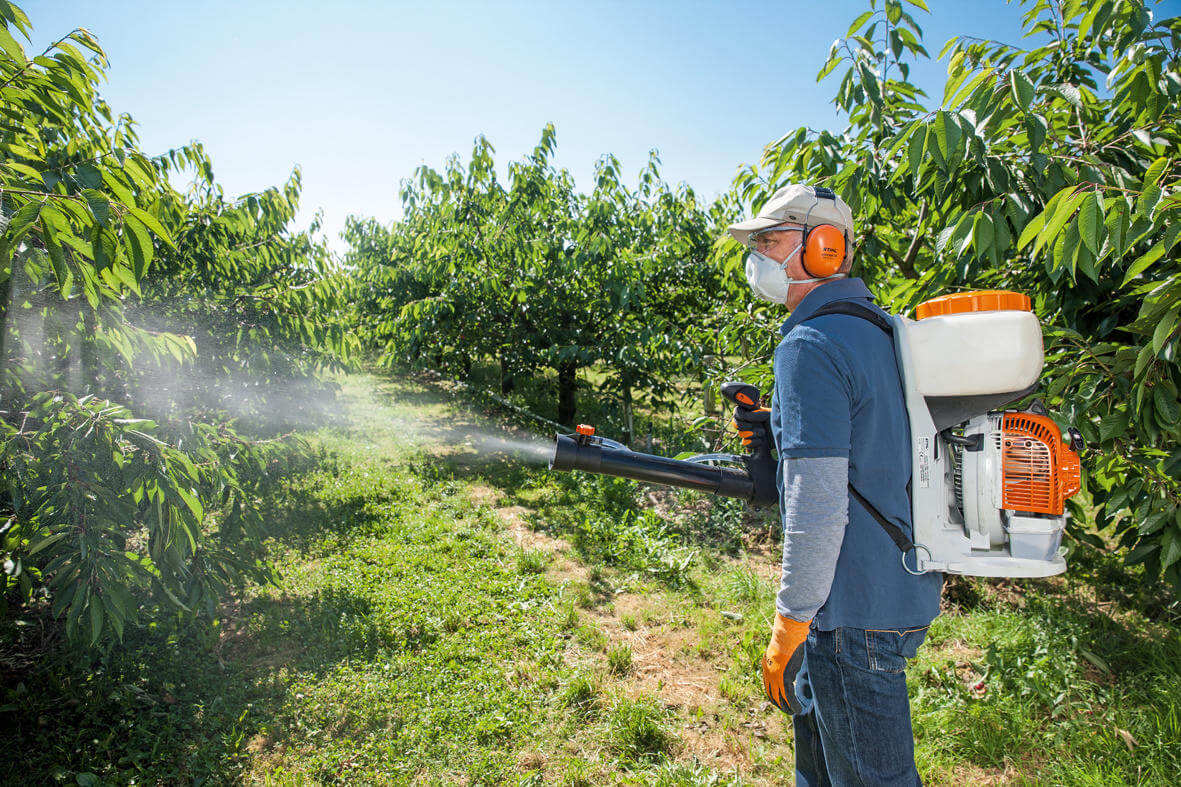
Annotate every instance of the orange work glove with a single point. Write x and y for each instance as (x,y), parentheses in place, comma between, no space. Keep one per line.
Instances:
(782,662)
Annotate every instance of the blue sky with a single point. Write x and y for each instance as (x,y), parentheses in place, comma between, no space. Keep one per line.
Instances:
(360,93)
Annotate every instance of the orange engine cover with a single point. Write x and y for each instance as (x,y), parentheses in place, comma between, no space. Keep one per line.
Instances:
(1038,471)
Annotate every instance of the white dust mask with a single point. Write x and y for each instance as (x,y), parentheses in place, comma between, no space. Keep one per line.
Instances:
(768,278)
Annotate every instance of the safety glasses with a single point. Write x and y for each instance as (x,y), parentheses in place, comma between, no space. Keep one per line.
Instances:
(762,239)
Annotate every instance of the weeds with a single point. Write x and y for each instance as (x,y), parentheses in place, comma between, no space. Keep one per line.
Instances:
(638,729)
(582,694)
(619,659)
(569,618)
(591,637)
(638,541)
(532,561)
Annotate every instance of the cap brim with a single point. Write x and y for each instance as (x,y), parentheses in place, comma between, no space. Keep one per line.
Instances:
(742,230)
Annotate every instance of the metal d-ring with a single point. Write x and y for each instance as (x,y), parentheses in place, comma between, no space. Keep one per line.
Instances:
(916,548)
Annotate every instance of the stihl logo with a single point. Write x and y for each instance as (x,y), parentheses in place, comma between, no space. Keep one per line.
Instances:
(827,250)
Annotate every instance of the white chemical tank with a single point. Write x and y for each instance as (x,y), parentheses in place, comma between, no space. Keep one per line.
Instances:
(974,343)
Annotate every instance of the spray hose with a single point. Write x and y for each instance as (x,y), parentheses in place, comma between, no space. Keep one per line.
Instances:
(584,451)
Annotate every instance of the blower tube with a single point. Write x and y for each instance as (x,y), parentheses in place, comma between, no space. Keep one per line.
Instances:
(594,455)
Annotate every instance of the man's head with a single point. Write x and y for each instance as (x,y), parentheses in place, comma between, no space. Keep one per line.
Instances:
(805,230)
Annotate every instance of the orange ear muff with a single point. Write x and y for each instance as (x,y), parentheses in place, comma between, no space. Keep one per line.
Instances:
(824,251)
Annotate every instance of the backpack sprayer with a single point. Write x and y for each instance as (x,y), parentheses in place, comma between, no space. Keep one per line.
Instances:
(988,485)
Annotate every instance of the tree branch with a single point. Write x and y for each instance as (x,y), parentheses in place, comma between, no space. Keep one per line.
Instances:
(907,262)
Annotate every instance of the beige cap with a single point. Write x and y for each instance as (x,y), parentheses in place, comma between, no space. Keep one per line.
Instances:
(798,204)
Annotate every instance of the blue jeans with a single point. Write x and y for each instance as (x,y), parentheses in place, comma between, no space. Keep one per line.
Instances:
(857,731)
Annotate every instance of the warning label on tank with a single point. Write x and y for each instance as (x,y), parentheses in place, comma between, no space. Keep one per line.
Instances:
(922,452)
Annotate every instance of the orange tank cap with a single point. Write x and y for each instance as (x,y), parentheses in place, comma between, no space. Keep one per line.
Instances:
(978,301)
(585,429)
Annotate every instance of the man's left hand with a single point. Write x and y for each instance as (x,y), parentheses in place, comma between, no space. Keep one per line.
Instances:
(782,661)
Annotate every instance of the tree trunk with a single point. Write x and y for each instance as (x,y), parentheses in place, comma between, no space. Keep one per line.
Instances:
(507,383)
(567,390)
(629,429)
(89,351)
(59,326)
(6,299)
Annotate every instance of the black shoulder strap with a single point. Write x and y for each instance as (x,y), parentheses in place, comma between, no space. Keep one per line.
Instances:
(852,309)
(855,309)
(892,530)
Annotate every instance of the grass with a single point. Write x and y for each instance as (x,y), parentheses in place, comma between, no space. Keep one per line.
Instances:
(619,659)
(444,616)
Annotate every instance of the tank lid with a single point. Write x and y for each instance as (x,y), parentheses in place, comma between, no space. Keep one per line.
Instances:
(978,301)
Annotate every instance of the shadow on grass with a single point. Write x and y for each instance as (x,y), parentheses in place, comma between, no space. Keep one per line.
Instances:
(185,702)
(184,705)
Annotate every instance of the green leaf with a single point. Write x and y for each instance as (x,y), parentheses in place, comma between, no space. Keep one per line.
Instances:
(1064,210)
(918,141)
(11,48)
(829,67)
(1113,425)
(125,275)
(33,175)
(1086,263)
(1066,91)
(100,206)
(1090,223)
(982,233)
(22,220)
(1155,170)
(153,224)
(191,502)
(1144,359)
(47,541)
(57,258)
(1031,230)
(1164,399)
(1022,89)
(1140,553)
(1155,521)
(139,245)
(96,620)
(947,134)
(1035,129)
(1066,248)
(1164,330)
(1171,551)
(858,22)
(87,174)
(1116,224)
(1148,199)
(1143,261)
(961,238)
(919,4)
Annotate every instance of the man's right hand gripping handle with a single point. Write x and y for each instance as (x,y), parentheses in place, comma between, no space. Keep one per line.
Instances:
(753,425)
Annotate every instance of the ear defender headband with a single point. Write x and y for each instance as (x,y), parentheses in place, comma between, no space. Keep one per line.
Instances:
(824,245)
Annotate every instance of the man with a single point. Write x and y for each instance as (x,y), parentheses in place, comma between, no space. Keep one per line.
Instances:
(849,614)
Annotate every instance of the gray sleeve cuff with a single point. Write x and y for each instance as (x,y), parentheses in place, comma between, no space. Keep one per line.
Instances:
(815,513)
